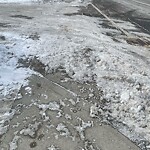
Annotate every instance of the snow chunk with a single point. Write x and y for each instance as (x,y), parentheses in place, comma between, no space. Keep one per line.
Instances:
(31,129)
(50,106)
(13,144)
(28,90)
(68,117)
(125,96)
(54,106)
(52,147)
(62,129)
(94,111)
(81,128)
(72,102)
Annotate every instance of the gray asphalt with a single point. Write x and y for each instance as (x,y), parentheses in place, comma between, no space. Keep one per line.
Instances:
(136,11)
(142,7)
(145,2)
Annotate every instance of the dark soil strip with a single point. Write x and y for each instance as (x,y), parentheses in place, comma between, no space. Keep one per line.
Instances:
(33,63)
(21,16)
(4,25)
(87,11)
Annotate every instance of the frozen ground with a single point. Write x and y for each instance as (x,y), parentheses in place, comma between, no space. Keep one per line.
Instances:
(39,39)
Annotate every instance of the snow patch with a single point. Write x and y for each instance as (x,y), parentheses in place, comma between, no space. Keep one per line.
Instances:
(52,147)
(81,128)
(54,106)
(62,129)
(31,129)
(13,145)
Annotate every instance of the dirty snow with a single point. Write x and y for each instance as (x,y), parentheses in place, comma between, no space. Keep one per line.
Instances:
(62,129)
(94,111)
(81,128)
(79,44)
(54,106)
(31,129)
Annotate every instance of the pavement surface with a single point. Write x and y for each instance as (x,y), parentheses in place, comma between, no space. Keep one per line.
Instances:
(134,11)
(53,117)
(140,6)
(54,113)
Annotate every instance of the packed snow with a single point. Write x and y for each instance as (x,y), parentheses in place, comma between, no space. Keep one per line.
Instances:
(80,45)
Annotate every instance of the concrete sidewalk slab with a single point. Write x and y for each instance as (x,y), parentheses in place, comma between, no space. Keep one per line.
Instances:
(52,116)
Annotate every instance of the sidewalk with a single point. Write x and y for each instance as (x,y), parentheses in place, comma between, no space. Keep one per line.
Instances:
(63,45)
(51,117)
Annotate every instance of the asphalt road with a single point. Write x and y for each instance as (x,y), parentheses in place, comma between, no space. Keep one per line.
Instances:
(129,10)
(143,2)
(141,13)
(142,7)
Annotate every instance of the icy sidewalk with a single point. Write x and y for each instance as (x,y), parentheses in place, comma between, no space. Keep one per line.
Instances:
(42,36)
(52,117)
